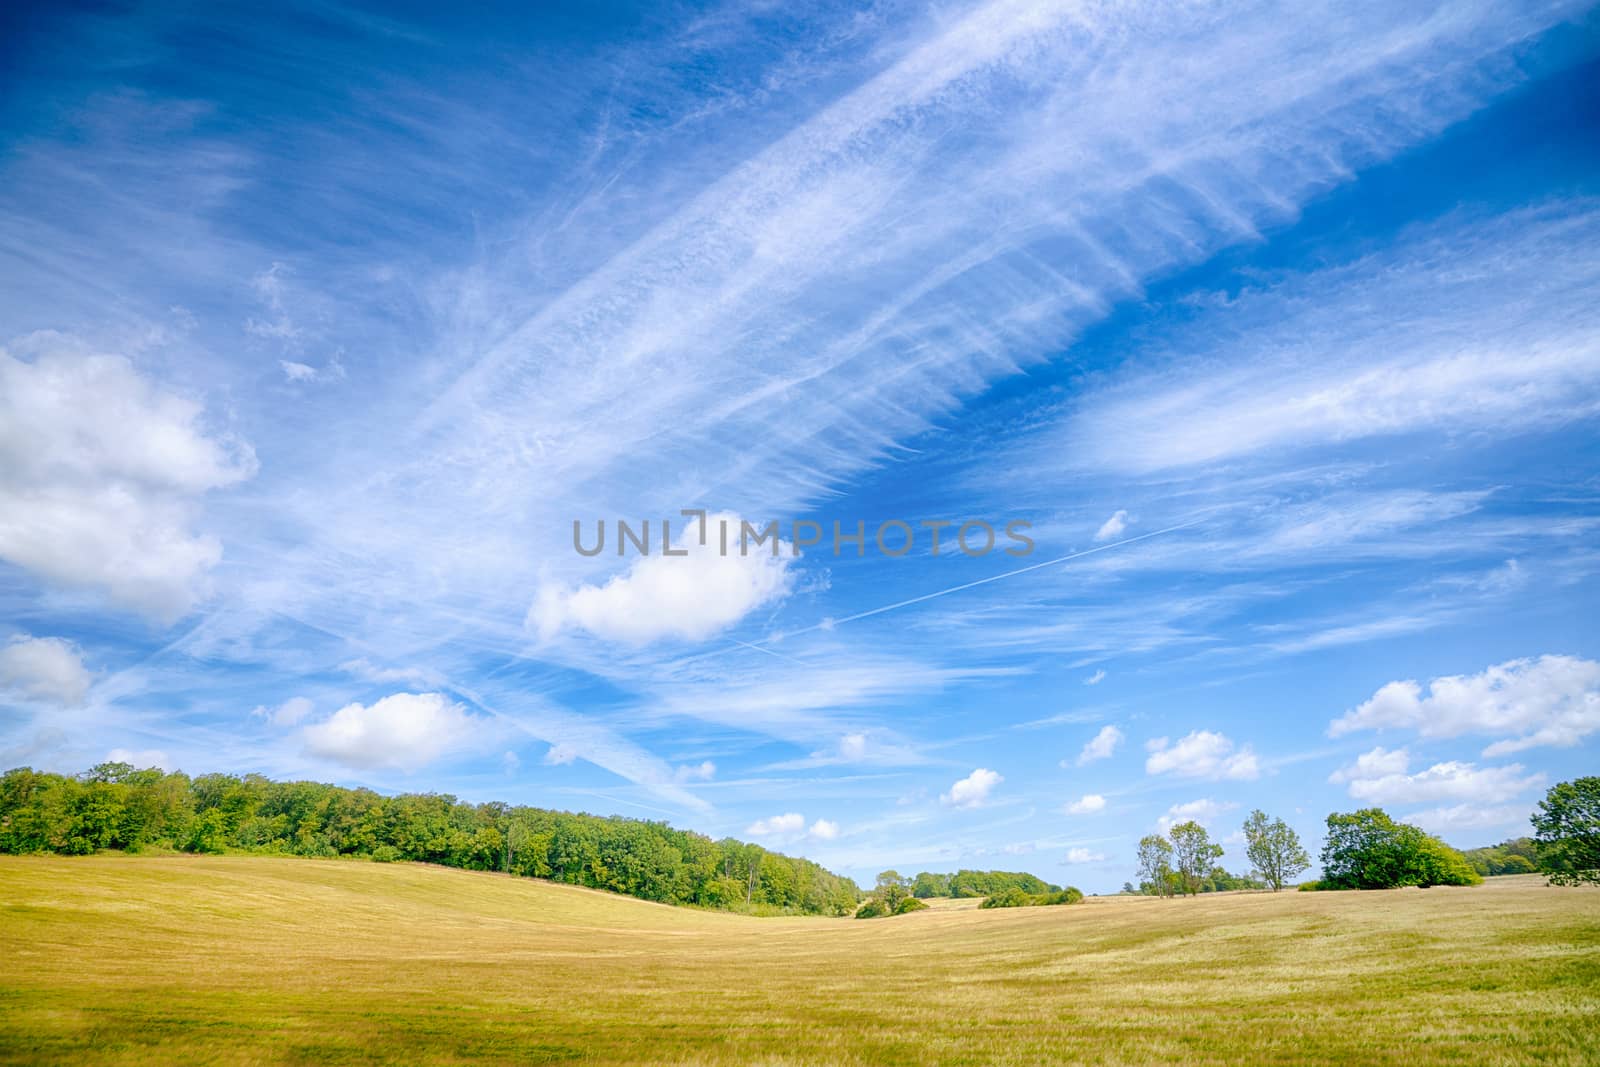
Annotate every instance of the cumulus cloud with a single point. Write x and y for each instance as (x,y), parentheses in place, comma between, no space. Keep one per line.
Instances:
(100,475)
(1204,811)
(792,827)
(1551,700)
(405,731)
(48,669)
(973,790)
(695,772)
(660,597)
(1375,764)
(1112,527)
(1379,777)
(1087,804)
(823,830)
(290,713)
(1084,855)
(1201,754)
(1459,817)
(1101,746)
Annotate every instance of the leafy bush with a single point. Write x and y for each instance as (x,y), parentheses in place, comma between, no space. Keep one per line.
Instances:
(909,904)
(1017,898)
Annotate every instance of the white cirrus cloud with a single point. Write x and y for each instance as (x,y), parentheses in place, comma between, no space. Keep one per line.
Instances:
(973,790)
(47,669)
(1101,746)
(1201,754)
(404,731)
(1552,700)
(1096,678)
(1204,811)
(101,472)
(1088,804)
(1112,527)
(659,597)
(1084,855)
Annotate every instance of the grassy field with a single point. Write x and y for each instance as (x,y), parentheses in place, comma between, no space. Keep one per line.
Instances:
(241,960)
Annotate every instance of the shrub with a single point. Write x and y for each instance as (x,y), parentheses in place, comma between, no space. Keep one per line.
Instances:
(909,904)
(872,909)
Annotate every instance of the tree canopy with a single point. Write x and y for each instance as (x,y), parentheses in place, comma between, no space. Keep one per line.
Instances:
(1567,832)
(1274,849)
(116,806)
(1367,849)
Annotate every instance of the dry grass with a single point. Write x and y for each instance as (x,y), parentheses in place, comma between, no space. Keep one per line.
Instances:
(240,960)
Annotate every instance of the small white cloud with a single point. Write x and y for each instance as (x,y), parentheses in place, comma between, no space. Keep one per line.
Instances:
(365,668)
(1552,700)
(1374,764)
(1084,855)
(777,826)
(1201,754)
(973,790)
(510,763)
(559,755)
(404,731)
(695,772)
(297,372)
(661,597)
(290,713)
(1096,678)
(1101,746)
(142,759)
(1087,804)
(48,669)
(1204,811)
(853,746)
(1112,527)
(823,830)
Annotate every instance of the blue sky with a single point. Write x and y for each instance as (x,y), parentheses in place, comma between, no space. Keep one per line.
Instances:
(1281,327)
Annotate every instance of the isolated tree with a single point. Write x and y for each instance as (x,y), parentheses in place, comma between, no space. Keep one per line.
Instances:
(1155,864)
(1193,854)
(1567,832)
(1273,849)
(892,889)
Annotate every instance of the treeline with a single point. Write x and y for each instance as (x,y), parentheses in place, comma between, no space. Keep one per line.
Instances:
(1519,855)
(1018,898)
(114,806)
(978,884)
(1218,880)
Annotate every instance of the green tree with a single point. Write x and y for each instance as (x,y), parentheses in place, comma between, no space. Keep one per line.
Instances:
(891,889)
(1367,849)
(1193,855)
(1567,832)
(1273,849)
(1155,865)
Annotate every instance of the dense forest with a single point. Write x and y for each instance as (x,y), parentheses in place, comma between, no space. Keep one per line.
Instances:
(114,806)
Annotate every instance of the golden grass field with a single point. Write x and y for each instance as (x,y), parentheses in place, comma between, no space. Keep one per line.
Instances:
(245,960)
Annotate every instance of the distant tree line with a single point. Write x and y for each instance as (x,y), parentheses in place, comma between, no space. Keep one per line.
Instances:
(1514,856)
(115,806)
(1018,898)
(966,883)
